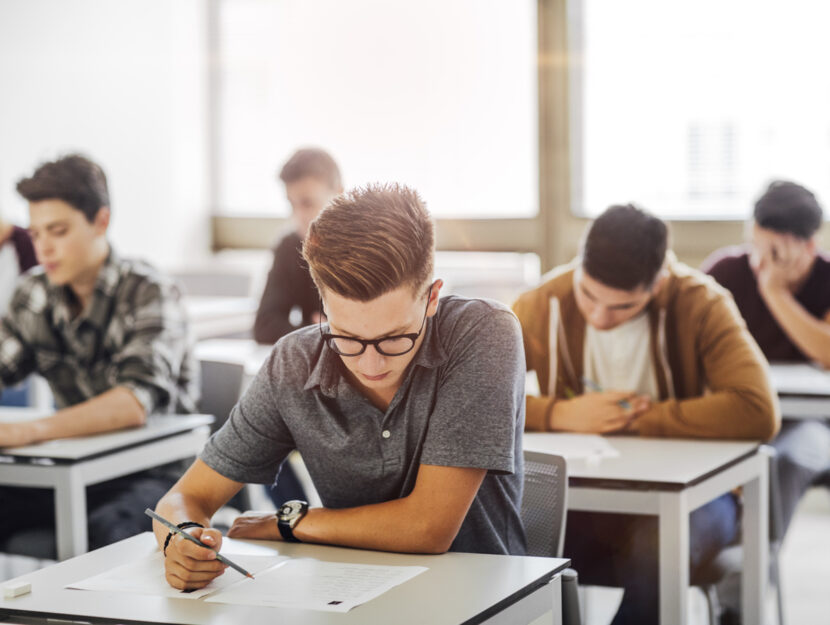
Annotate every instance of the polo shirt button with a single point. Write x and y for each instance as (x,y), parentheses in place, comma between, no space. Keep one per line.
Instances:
(386,434)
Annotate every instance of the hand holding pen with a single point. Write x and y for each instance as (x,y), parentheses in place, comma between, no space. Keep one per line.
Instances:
(598,412)
(194,561)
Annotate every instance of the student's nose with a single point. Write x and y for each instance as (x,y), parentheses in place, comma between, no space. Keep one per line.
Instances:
(600,317)
(371,362)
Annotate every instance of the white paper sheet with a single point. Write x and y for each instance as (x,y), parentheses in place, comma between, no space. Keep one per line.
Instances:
(589,447)
(146,576)
(314,585)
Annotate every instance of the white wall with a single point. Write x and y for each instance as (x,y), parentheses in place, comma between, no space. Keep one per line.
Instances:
(125,83)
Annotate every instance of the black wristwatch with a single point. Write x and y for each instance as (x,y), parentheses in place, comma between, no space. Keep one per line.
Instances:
(288,515)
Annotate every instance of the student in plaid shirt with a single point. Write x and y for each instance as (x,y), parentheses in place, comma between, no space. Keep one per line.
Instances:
(108,334)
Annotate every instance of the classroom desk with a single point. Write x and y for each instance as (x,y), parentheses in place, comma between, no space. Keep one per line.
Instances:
(803,390)
(457,588)
(245,352)
(70,465)
(669,478)
(213,316)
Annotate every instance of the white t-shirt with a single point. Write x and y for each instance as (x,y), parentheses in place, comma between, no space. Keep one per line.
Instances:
(9,272)
(620,359)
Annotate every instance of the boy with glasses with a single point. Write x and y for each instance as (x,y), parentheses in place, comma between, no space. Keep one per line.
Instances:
(407,411)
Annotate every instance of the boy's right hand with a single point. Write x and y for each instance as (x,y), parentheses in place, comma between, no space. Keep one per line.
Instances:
(598,413)
(188,566)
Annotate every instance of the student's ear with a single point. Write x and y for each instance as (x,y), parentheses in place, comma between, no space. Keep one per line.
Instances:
(432,307)
(102,220)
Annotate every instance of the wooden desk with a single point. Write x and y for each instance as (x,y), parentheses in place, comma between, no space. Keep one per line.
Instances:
(213,316)
(669,478)
(457,588)
(70,465)
(803,390)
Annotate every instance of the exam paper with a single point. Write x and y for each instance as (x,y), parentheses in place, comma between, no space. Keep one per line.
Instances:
(572,446)
(307,584)
(146,575)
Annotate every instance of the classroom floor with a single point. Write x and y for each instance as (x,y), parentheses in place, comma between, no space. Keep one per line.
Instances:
(805,567)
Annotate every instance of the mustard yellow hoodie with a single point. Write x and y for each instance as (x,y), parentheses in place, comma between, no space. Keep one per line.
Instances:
(712,377)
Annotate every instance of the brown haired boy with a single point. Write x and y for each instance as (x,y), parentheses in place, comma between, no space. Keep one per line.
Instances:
(108,334)
(407,411)
(311,179)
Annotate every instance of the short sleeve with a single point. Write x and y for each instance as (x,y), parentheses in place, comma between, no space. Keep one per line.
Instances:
(481,401)
(253,442)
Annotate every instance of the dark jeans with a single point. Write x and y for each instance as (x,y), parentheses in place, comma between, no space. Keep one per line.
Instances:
(115,510)
(287,486)
(622,549)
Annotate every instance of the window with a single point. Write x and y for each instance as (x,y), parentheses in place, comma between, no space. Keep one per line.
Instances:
(691,108)
(439,95)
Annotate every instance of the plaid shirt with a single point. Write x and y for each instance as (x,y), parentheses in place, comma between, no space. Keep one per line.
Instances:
(133,333)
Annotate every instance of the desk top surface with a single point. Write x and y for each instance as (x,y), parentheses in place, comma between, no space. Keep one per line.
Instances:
(246,352)
(646,463)
(800,379)
(81,448)
(218,305)
(456,588)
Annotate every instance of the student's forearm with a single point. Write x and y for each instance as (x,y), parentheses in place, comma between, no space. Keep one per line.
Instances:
(811,335)
(390,526)
(115,409)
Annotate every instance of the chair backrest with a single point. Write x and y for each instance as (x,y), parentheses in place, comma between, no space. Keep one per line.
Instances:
(544,503)
(221,388)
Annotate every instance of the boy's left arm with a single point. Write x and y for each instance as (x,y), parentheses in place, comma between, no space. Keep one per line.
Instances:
(739,402)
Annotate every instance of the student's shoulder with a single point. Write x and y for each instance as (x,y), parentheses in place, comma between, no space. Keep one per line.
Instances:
(691,293)
(557,283)
(32,292)
(727,262)
(289,244)
(141,278)
(459,318)
(297,352)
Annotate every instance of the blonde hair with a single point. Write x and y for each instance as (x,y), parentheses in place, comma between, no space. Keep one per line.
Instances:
(370,241)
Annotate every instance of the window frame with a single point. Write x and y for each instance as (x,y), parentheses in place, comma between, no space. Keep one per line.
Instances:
(553,234)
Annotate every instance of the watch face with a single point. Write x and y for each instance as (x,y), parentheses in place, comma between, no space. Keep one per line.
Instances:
(291,510)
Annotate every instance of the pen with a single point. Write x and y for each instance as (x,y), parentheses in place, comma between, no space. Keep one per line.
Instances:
(193,539)
(623,403)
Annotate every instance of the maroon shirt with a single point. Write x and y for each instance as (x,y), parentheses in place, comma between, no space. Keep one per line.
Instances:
(24,248)
(730,266)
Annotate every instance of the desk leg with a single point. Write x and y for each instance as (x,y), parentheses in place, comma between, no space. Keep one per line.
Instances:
(70,513)
(755,527)
(673,529)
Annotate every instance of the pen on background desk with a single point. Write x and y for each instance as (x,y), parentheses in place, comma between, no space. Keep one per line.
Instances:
(588,383)
(193,539)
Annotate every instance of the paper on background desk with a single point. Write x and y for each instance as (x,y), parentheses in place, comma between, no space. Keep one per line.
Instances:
(308,584)
(573,446)
(145,576)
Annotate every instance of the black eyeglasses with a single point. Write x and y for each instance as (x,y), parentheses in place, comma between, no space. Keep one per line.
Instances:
(396,345)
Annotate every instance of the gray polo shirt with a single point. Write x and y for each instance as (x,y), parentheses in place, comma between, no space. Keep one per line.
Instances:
(461,404)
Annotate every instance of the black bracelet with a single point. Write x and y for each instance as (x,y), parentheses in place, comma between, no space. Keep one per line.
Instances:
(181,526)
